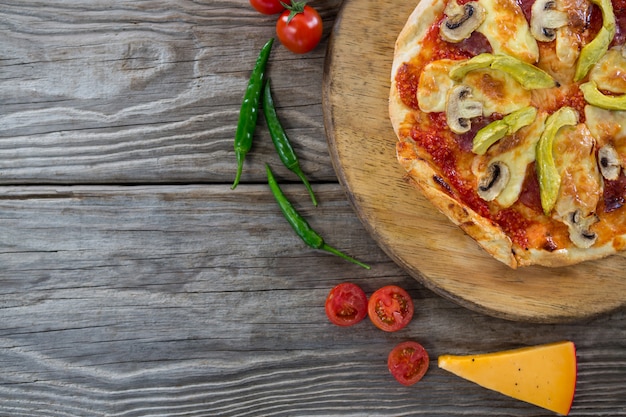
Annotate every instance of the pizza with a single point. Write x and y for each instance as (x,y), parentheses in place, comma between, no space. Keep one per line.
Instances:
(510,117)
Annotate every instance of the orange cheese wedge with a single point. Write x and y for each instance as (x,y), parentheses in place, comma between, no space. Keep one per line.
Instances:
(543,375)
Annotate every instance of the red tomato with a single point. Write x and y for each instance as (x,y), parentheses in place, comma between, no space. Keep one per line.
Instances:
(390,308)
(346,304)
(408,362)
(268,6)
(299,28)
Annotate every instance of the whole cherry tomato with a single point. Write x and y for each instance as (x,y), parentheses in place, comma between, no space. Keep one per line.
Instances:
(299,28)
(346,304)
(390,308)
(268,6)
(408,362)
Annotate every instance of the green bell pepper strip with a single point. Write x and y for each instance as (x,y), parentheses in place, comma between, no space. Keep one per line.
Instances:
(593,51)
(249,109)
(498,129)
(300,225)
(529,76)
(596,98)
(281,140)
(547,172)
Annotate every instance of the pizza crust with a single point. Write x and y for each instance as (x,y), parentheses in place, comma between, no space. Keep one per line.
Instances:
(488,235)
(418,23)
(425,177)
(407,46)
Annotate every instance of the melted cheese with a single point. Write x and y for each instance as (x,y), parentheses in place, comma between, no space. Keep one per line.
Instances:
(560,60)
(608,126)
(568,41)
(581,182)
(610,72)
(507,30)
(516,152)
(433,86)
(542,375)
(567,48)
(497,90)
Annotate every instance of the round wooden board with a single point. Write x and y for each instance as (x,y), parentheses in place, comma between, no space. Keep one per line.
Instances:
(405,225)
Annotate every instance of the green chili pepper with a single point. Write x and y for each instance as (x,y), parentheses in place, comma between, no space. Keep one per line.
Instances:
(281,140)
(300,225)
(249,109)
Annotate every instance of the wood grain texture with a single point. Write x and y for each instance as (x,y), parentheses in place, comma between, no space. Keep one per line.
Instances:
(194,300)
(406,225)
(134,282)
(115,91)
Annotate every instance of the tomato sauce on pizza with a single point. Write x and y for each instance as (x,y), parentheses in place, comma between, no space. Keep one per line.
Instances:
(511,120)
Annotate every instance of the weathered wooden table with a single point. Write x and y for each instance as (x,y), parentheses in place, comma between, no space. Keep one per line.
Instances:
(135,282)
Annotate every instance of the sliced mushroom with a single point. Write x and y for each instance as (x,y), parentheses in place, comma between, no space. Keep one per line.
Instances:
(494,181)
(461,21)
(460,108)
(546,19)
(609,162)
(579,226)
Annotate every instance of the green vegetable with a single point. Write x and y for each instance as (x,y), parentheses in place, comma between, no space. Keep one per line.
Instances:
(529,76)
(506,126)
(592,52)
(608,15)
(489,135)
(461,69)
(595,49)
(300,225)
(547,173)
(594,97)
(281,140)
(249,109)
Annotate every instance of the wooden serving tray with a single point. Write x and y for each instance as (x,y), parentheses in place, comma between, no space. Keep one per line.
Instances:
(405,225)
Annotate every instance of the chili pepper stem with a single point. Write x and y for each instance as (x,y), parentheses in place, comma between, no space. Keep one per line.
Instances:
(306,183)
(299,223)
(334,251)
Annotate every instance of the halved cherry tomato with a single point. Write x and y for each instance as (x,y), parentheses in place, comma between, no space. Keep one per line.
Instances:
(346,304)
(299,28)
(268,6)
(390,308)
(408,362)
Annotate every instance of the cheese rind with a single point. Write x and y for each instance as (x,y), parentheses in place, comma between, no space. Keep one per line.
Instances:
(543,375)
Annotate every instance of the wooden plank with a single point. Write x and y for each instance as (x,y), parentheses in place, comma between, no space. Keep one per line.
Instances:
(174,298)
(404,222)
(145,92)
(199,300)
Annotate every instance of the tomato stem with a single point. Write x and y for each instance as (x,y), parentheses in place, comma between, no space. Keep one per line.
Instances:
(294,8)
